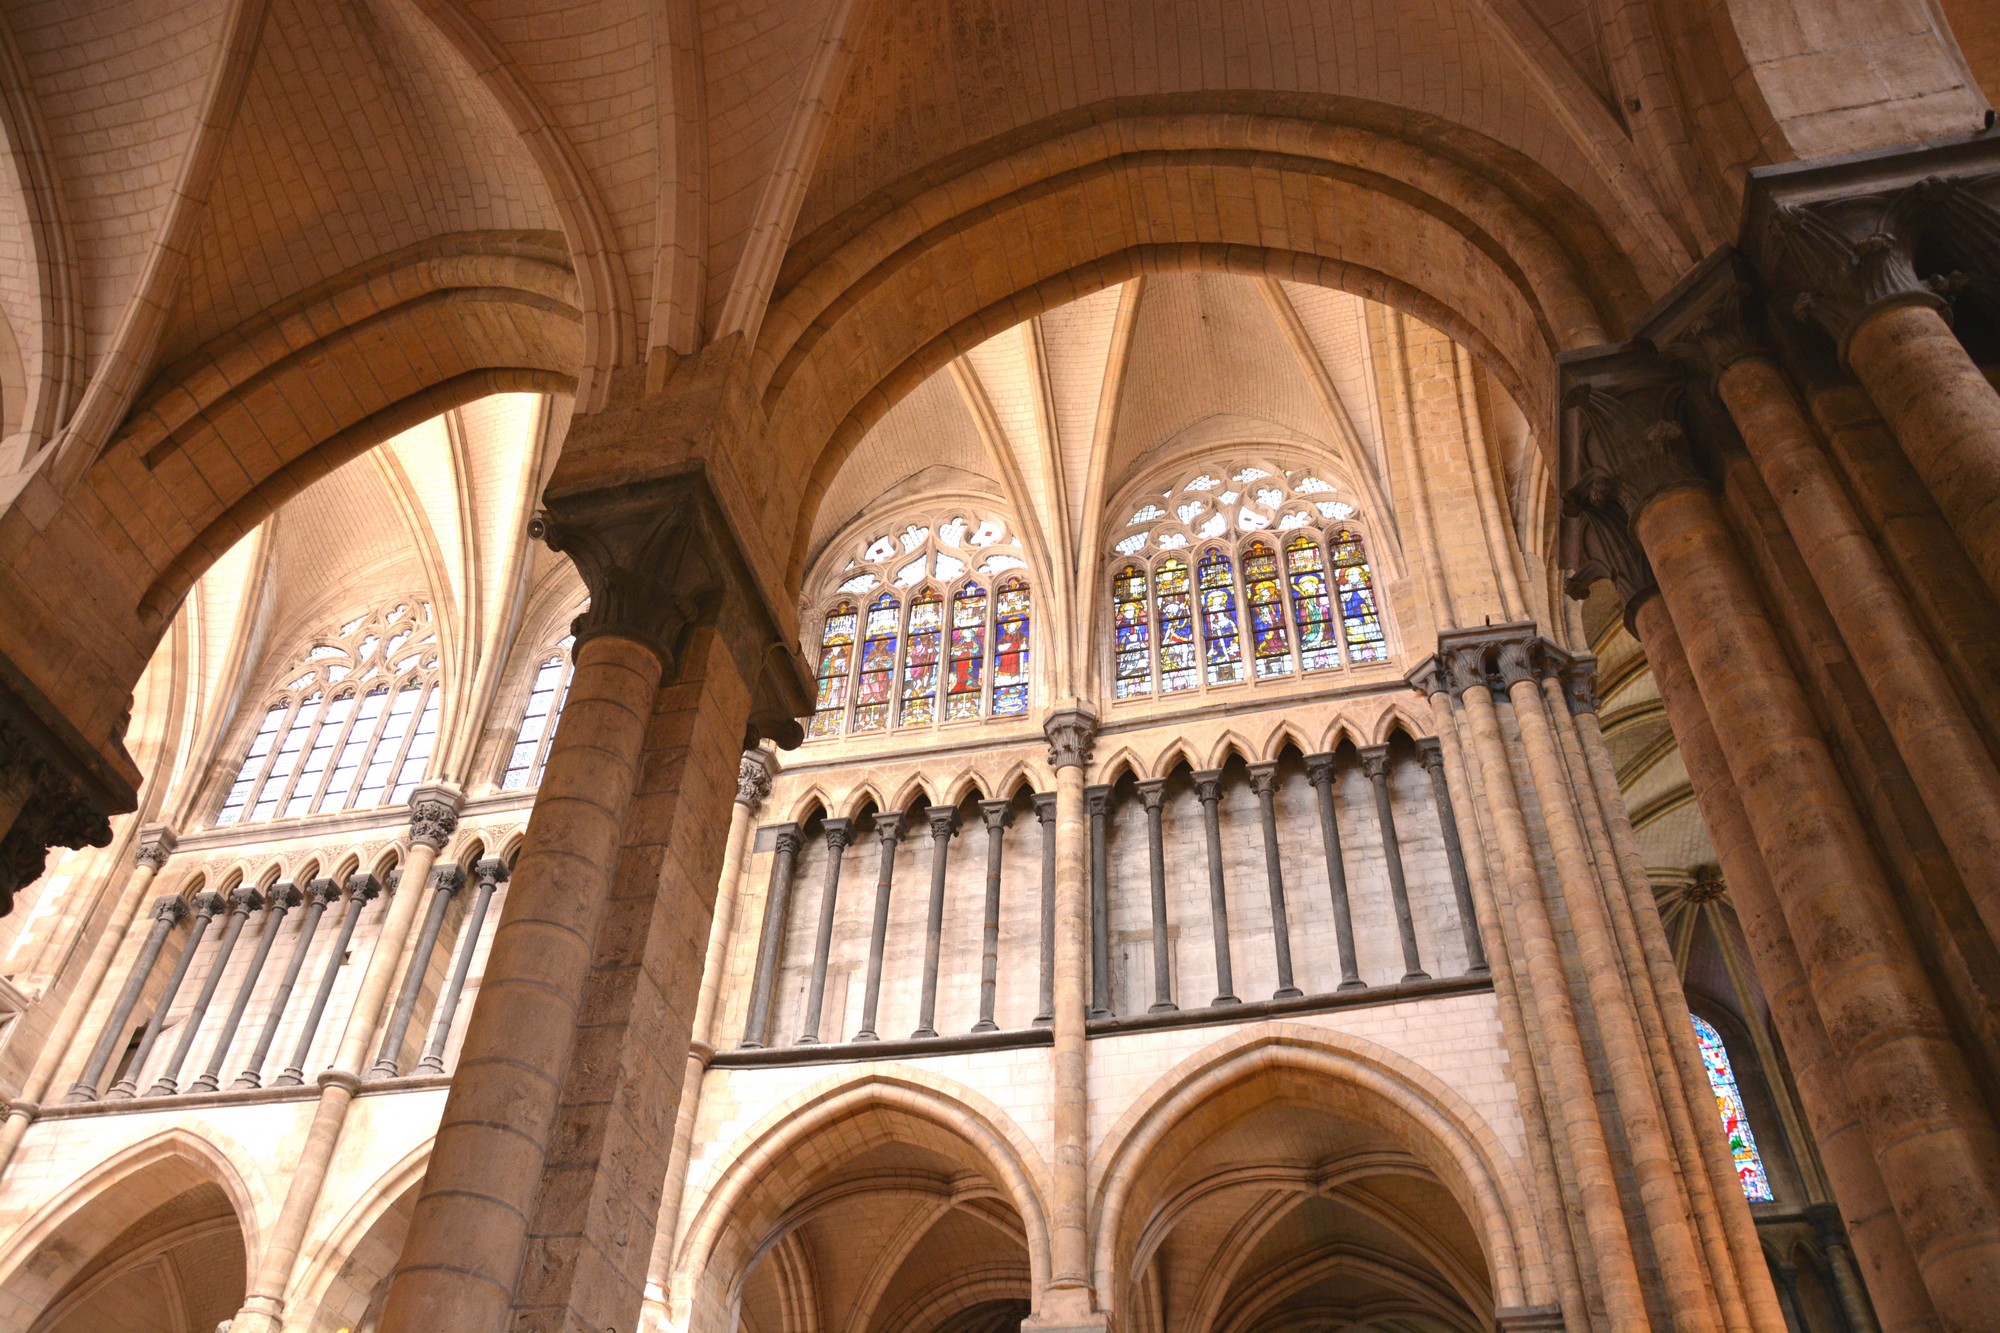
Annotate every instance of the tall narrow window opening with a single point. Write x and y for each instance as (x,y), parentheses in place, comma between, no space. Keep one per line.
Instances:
(1222,644)
(1131,617)
(968,648)
(1270,644)
(836,656)
(546,696)
(1735,1119)
(1012,612)
(878,664)
(920,659)
(1359,618)
(1177,664)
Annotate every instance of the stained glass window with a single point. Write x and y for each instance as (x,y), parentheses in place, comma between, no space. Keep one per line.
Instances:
(1012,613)
(836,656)
(1130,625)
(1177,663)
(920,659)
(1270,646)
(1224,651)
(1312,608)
(1735,1119)
(878,664)
(968,650)
(538,721)
(1359,616)
(316,740)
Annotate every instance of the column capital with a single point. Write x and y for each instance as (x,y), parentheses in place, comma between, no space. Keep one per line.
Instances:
(447,877)
(156,844)
(997,814)
(787,840)
(284,896)
(434,811)
(661,558)
(1070,732)
(1152,793)
(1430,753)
(1497,657)
(326,891)
(753,779)
(1429,676)
(889,827)
(1375,762)
(169,908)
(1207,785)
(245,899)
(1264,778)
(369,886)
(943,820)
(1319,768)
(61,788)
(1045,806)
(839,834)
(490,870)
(209,903)
(1097,800)
(1579,680)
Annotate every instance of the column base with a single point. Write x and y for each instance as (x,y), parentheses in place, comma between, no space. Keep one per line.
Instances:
(166,1087)
(1221,1000)
(922,1033)
(866,1034)
(1415,976)
(1356,984)
(1042,1021)
(986,1025)
(205,1084)
(807,1040)
(1163,1007)
(249,1078)
(1292,992)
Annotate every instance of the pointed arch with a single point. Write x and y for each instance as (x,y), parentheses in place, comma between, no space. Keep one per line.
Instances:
(813,800)
(1286,732)
(861,798)
(1398,716)
(328,1255)
(1230,742)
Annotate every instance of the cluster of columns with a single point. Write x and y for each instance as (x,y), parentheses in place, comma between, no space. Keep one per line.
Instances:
(1792,477)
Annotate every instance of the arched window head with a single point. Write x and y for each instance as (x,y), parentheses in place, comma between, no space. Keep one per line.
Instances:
(351,725)
(547,693)
(1735,1119)
(1275,544)
(945,631)
(836,658)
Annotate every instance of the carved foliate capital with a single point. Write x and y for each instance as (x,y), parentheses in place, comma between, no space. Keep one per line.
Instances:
(1320,769)
(1264,779)
(996,814)
(245,900)
(490,871)
(325,892)
(156,844)
(283,897)
(1207,785)
(1097,801)
(1375,762)
(434,815)
(62,791)
(209,904)
(447,877)
(1430,753)
(1152,793)
(169,909)
(1837,261)
(787,840)
(753,779)
(1579,680)
(391,881)
(1714,319)
(1428,677)
(839,834)
(889,828)
(1070,734)
(943,820)
(1045,806)
(1495,657)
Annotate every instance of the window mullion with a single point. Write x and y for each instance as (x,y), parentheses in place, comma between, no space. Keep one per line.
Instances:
(332,753)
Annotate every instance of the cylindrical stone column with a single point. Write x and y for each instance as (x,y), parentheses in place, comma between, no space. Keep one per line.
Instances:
(489,872)
(1208,790)
(323,893)
(1854,1307)
(207,906)
(361,890)
(771,944)
(1951,768)
(1153,795)
(1431,755)
(1932,1136)
(996,815)
(166,913)
(277,903)
(888,831)
(242,903)
(1375,764)
(1097,800)
(944,823)
(1320,772)
(1069,1296)
(839,833)
(446,880)
(1045,815)
(1264,782)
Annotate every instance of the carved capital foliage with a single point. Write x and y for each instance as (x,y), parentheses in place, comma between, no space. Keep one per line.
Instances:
(1430,753)
(209,904)
(490,870)
(156,844)
(326,892)
(943,820)
(1713,319)
(839,835)
(1497,656)
(1375,762)
(434,816)
(1264,779)
(1837,261)
(1427,677)
(447,877)
(283,897)
(391,881)
(788,840)
(1207,785)
(1097,801)
(889,828)
(1045,806)
(753,780)
(1579,679)
(1070,734)
(56,788)
(245,900)
(1320,769)
(1152,793)
(169,909)
(997,814)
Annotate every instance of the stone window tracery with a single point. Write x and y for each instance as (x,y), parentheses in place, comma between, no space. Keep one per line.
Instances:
(929,622)
(546,697)
(352,724)
(1735,1118)
(1239,574)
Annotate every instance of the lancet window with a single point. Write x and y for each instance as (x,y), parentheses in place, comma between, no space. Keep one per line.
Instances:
(928,623)
(1239,574)
(546,696)
(351,725)
(1735,1119)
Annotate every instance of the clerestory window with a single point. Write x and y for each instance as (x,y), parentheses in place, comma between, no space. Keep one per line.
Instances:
(1235,575)
(930,623)
(547,694)
(1735,1119)
(351,725)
